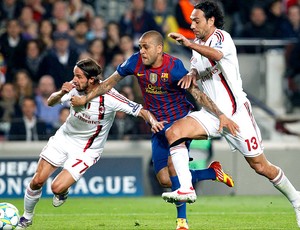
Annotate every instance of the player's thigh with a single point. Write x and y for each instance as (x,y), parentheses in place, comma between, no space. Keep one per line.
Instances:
(160,152)
(78,163)
(55,152)
(186,127)
(248,140)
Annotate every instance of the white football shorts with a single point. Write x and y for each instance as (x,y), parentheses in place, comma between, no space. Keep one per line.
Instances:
(60,152)
(248,140)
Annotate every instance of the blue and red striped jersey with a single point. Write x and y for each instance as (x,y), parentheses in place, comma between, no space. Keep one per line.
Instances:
(162,96)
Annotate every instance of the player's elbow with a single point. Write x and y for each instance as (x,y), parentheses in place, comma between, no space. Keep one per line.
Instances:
(50,102)
(217,56)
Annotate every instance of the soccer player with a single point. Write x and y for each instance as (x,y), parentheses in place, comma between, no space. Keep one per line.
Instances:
(79,142)
(215,64)
(158,74)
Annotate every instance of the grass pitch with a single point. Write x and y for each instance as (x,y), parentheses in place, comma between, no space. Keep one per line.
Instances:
(151,213)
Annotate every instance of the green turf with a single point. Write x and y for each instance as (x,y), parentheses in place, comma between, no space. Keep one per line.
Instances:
(209,213)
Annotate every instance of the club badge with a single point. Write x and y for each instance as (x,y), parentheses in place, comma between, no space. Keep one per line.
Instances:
(164,77)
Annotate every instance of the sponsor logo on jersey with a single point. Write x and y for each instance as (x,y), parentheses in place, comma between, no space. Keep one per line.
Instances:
(153,78)
(155,89)
(208,73)
(164,77)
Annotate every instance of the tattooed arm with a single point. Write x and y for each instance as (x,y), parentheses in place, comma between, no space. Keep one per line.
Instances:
(206,102)
(101,89)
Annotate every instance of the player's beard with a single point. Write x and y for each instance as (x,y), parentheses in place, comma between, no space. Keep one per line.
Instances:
(83,88)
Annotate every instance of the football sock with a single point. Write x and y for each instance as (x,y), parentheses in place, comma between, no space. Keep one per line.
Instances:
(202,174)
(31,198)
(180,206)
(282,183)
(180,159)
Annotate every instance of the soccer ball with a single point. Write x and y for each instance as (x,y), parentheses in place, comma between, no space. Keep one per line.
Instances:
(9,216)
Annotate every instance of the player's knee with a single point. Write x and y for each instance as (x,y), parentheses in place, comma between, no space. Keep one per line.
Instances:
(172,134)
(57,188)
(36,182)
(259,168)
(164,181)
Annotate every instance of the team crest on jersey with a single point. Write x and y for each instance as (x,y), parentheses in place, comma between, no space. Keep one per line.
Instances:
(101,109)
(164,77)
(153,77)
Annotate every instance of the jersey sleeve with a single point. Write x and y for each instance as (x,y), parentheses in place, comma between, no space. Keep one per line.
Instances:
(128,67)
(67,97)
(178,71)
(221,42)
(118,102)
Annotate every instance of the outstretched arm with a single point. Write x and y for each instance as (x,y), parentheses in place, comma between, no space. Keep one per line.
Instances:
(206,102)
(156,126)
(206,51)
(101,89)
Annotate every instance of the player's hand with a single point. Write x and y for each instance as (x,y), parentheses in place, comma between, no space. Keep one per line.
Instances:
(187,80)
(78,100)
(158,126)
(231,125)
(67,87)
(182,40)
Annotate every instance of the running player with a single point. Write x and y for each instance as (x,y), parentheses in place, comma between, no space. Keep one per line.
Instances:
(79,142)
(215,64)
(158,74)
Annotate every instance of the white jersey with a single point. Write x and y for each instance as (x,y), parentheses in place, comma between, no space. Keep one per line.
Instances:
(88,126)
(221,80)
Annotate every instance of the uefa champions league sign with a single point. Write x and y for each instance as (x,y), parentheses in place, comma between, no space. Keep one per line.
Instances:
(109,177)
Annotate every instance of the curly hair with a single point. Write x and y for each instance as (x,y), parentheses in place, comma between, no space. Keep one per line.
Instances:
(212,9)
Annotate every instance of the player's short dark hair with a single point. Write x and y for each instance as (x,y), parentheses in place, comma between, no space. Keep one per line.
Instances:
(90,68)
(212,9)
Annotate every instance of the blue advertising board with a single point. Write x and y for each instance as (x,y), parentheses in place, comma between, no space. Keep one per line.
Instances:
(114,176)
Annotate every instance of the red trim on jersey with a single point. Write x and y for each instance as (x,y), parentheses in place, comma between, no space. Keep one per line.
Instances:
(225,84)
(118,97)
(230,94)
(220,35)
(250,115)
(99,127)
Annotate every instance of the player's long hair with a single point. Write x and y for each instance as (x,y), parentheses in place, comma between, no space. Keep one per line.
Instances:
(90,68)
(212,9)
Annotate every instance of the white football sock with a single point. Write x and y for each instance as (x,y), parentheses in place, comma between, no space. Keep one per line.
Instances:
(180,159)
(282,183)
(31,198)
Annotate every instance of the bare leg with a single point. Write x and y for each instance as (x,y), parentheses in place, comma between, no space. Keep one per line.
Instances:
(187,127)
(62,182)
(276,176)
(34,189)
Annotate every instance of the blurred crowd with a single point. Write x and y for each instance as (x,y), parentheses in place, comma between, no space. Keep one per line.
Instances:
(41,40)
